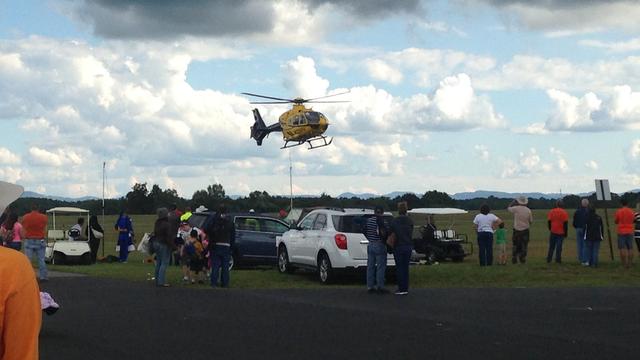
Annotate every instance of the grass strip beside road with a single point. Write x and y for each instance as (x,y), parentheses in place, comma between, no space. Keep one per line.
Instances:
(467,274)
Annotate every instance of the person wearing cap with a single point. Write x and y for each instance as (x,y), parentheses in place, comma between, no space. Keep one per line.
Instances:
(376,230)
(579,223)
(558,223)
(522,219)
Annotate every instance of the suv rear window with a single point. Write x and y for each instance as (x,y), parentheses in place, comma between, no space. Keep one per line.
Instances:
(353,223)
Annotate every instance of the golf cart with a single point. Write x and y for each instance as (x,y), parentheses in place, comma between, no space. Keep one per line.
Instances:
(60,248)
(440,244)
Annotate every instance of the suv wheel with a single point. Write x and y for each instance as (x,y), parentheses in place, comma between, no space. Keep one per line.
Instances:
(284,266)
(325,272)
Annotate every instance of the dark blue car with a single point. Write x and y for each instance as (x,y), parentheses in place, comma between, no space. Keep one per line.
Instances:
(255,242)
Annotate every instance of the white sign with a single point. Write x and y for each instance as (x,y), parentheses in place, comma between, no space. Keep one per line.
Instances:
(602,190)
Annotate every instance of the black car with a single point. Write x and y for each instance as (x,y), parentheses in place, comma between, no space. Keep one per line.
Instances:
(255,242)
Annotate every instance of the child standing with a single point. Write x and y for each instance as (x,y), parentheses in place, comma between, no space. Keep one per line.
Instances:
(195,251)
(501,244)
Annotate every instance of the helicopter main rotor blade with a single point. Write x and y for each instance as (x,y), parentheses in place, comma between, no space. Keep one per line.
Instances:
(324,97)
(267,97)
(327,102)
(269,102)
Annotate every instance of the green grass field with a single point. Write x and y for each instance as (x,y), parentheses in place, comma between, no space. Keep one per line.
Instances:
(536,273)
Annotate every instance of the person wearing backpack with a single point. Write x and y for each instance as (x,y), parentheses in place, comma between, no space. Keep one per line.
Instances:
(376,231)
(221,234)
(593,235)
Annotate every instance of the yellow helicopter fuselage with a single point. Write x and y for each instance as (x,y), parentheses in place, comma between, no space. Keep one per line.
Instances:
(301,123)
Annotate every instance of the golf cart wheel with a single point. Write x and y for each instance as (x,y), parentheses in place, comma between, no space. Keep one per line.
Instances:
(431,258)
(284,266)
(86,259)
(325,271)
(58,258)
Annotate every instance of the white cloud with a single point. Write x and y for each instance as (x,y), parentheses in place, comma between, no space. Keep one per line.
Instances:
(428,66)
(380,70)
(591,164)
(8,158)
(302,78)
(632,157)
(570,16)
(616,109)
(531,164)
(482,152)
(616,47)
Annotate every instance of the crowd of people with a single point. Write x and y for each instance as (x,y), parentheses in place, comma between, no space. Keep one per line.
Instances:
(201,253)
(587,223)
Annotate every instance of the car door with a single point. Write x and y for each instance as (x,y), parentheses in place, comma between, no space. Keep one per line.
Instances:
(312,239)
(247,238)
(265,250)
(296,238)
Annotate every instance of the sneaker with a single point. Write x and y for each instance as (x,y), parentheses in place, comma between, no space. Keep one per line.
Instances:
(402,292)
(185,279)
(585,264)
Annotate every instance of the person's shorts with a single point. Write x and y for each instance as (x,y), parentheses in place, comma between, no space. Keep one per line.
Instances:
(196,265)
(501,248)
(625,241)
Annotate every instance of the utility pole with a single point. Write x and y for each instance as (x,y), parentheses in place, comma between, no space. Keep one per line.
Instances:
(104,165)
(290,183)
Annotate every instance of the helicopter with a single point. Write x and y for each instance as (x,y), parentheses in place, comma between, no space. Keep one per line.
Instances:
(298,126)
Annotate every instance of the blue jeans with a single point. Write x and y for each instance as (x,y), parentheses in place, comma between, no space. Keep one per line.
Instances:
(583,255)
(163,253)
(485,248)
(555,244)
(376,264)
(37,247)
(15,245)
(591,250)
(220,257)
(123,242)
(402,256)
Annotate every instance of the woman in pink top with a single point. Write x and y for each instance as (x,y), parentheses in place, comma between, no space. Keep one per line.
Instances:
(12,232)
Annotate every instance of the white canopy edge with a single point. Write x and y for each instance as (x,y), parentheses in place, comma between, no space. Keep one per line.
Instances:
(67,210)
(437,211)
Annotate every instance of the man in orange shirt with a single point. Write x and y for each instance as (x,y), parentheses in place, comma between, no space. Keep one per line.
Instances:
(624,218)
(20,308)
(558,223)
(35,225)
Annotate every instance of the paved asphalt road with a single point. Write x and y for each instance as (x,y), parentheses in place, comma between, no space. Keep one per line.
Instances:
(112,319)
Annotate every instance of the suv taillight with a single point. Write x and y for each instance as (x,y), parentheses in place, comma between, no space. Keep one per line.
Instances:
(341,241)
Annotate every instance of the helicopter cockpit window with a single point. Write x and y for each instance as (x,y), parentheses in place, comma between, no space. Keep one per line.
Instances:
(313,117)
(299,120)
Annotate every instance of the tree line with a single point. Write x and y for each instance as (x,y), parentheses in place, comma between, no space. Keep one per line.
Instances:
(142,200)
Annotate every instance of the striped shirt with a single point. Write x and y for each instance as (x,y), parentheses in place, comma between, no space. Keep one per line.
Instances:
(636,218)
(371,231)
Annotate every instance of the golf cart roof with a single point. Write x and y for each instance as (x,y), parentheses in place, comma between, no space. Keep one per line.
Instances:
(67,210)
(437,211)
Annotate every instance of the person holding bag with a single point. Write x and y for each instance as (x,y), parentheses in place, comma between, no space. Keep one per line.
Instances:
(95,234)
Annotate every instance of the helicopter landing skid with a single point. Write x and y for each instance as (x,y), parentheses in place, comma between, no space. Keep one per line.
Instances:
(310,142)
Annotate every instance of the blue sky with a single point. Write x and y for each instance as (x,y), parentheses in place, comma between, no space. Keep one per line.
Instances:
(455,96)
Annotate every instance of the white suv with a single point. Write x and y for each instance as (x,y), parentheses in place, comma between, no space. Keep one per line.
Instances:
(327,240)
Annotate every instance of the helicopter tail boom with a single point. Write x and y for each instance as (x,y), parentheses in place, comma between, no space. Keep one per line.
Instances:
(260,130)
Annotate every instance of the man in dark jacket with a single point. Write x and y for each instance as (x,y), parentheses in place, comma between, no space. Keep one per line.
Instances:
(402,228)
(593,236)
(221,232)
(579,223)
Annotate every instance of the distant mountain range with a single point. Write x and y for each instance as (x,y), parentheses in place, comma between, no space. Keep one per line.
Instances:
(31,194)
(481,194)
